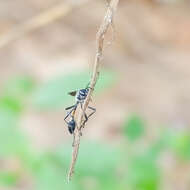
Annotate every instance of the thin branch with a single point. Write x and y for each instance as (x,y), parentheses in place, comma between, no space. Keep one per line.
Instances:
(106,23)
(44,18)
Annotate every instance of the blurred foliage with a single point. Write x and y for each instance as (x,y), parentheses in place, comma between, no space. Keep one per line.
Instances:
(8,178)
(143,173)
(133,165)
(19,86)
(54,93)
(15,93)
(180,143)
(133,127)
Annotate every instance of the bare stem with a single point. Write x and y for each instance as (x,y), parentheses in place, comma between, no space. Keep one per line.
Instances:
(44,18)
(106,23)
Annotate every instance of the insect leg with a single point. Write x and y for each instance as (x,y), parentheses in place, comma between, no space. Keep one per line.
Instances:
(93,111)
(68,114)
(85,116)
(86,119)
(68,108)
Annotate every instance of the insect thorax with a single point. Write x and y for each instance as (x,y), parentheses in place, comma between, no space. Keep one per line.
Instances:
(81,95)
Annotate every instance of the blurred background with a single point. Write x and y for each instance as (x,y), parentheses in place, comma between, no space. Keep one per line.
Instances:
(139,138)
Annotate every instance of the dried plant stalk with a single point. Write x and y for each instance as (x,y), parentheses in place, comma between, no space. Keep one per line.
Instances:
(106,23)
(44,18)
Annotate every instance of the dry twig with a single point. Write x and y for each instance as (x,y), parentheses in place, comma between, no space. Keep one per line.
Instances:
(44,18)
(107,22)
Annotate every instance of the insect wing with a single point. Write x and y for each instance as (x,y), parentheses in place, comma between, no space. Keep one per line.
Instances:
(73,93)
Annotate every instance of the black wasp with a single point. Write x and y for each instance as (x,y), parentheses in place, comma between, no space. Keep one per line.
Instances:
(80,96)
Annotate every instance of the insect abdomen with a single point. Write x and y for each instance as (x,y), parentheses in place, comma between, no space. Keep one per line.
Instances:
(71,126)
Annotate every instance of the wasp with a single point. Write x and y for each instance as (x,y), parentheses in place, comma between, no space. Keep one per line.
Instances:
(80,96)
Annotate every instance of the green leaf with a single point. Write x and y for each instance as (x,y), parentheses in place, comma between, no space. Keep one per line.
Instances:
(54,94)
(133,128)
